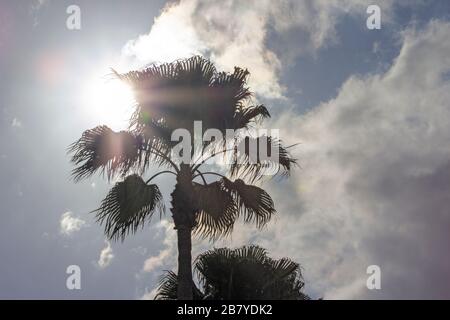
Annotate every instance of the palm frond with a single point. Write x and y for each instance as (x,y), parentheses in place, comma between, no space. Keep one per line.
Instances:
(285,279)
(168,286)
(103,149)
(252,252)
(156,145)
(128,205)
(220,203)
(254,204)
(176,94)
(246,115)
(248,273)
(216,209)
(245,273)
(254,158)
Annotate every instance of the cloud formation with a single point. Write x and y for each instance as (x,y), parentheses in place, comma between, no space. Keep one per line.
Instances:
(35,7)
(374,187)
(236,32)
(68,223)
(16,123)
(106,256)
(374,181)
(167,256)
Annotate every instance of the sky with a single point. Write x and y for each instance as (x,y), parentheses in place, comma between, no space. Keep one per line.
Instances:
(369,109)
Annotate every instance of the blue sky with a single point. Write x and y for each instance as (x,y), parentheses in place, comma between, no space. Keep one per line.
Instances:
(369,108)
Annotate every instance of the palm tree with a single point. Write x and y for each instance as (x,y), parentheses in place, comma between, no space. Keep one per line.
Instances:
(245,273)
(173,96)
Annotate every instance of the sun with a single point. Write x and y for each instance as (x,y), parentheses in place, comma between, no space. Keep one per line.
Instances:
(109,101)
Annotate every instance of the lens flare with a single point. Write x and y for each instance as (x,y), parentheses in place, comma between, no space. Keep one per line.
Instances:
(109,101)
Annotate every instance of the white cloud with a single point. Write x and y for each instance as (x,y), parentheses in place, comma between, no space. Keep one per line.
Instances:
(171,37)
(106,256)
(16,123)
(236,32)
(374,183)
(156,261)
(69,224)
(167,256)
(34,8)
(37,4)
(166,259)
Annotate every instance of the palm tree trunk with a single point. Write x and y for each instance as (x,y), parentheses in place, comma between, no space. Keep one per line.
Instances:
(183,213)
(184,264)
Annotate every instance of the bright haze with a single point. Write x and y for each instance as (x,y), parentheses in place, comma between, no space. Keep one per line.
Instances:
(369,109)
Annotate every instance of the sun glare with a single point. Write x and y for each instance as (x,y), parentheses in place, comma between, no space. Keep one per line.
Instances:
(109,102)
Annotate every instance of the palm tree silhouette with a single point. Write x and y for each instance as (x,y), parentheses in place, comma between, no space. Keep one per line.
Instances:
(245,273)
(172,96)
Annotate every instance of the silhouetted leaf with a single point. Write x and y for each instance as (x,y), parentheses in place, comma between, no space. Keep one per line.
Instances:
(168,286)
(252,160)
(245,273)
(254,204)
(246,115)
(103,149)
(217,210)
(128,205)
(177,94)
(222,202)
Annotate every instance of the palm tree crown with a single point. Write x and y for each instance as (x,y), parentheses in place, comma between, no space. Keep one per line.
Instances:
(173,96)
(246,273)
